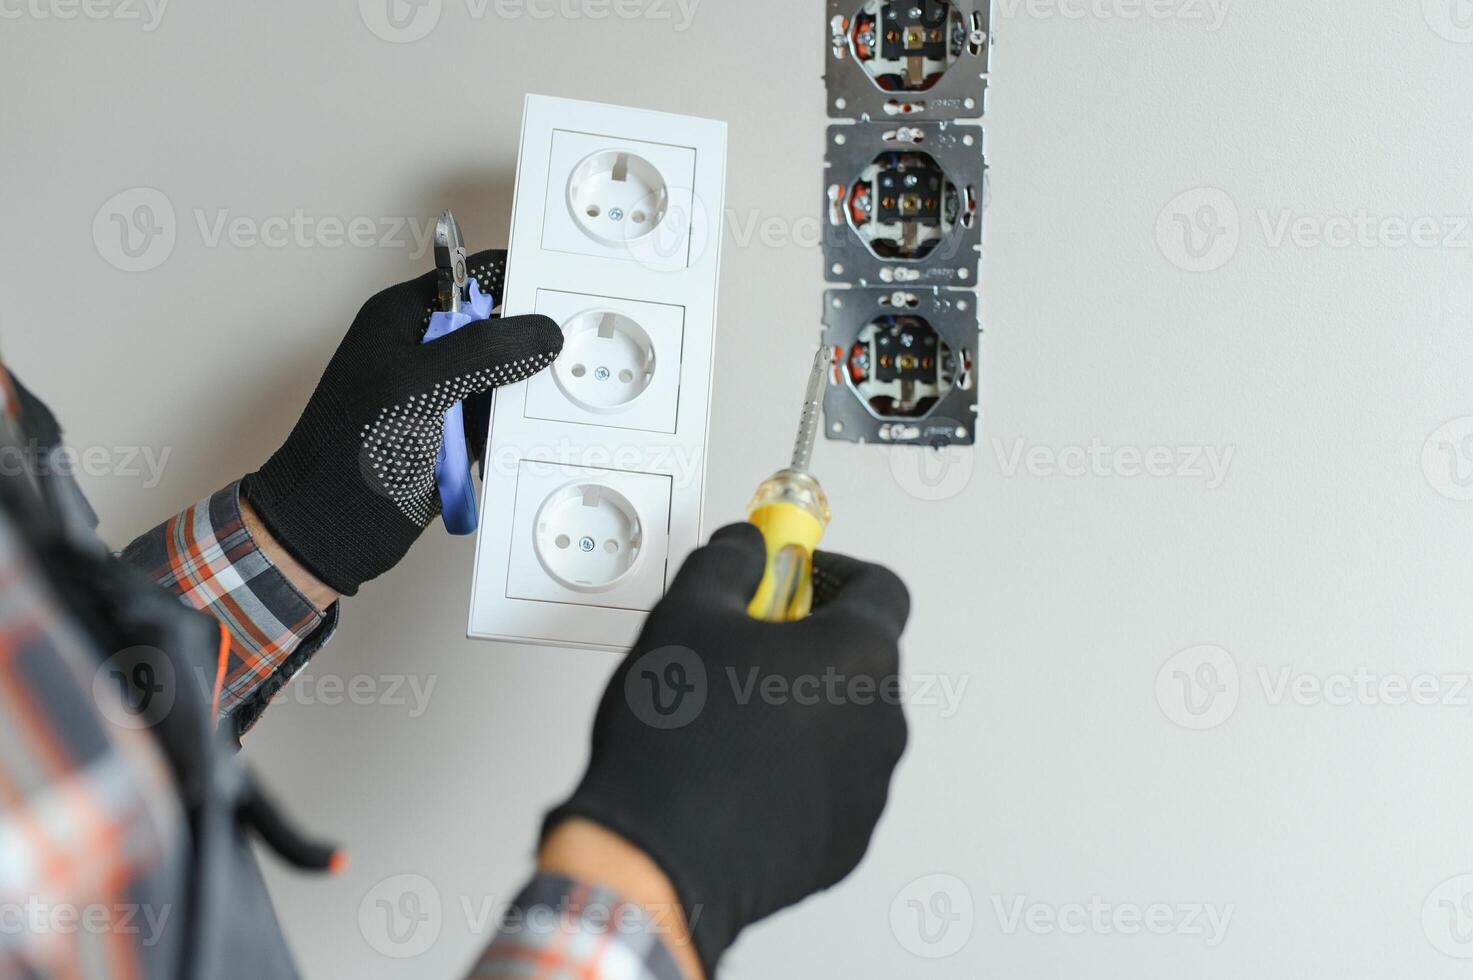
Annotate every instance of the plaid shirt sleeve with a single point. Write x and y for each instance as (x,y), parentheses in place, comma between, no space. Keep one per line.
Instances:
(93,843)
(559,928)
(207,557)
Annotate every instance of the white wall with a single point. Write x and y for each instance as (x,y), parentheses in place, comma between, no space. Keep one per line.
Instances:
(1055,599)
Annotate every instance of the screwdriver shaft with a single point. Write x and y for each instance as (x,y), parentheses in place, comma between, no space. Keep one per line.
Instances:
(809,422)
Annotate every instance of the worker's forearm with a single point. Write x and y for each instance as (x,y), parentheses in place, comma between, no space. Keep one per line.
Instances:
(314,589)
(217,557)
(597,908)
(583,850)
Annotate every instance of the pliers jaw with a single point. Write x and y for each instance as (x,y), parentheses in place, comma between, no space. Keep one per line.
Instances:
(450,269)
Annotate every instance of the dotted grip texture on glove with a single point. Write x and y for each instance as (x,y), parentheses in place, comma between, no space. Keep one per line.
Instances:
(353,487)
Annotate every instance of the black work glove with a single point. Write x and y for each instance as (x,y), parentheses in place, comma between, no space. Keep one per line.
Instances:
(748,801)
(354,485)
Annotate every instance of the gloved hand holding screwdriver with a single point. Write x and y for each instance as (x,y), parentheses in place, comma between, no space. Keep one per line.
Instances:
(708,803)
(750,803)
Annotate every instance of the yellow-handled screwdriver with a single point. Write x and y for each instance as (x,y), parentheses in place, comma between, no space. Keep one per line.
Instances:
(792,512)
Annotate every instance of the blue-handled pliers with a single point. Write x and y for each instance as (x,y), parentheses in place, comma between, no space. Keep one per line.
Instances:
(460,302)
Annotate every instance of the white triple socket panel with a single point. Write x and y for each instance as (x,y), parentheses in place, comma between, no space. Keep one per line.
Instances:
(595,469)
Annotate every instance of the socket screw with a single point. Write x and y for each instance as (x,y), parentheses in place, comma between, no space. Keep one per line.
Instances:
(616,214)
(585,544)
(915,13)
(601,374)
(911,180)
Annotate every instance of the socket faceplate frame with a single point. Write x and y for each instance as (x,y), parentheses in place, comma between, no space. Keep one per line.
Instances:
(681,274)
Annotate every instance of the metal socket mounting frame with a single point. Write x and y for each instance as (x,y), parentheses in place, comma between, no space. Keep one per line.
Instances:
(958,150)
(960,93)
(953,315)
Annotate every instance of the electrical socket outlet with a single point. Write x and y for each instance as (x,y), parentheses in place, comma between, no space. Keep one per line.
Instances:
(589,536)
(619,198)
(905,191)
(905,204)
(620,365)
(616,235)
(911,59)
(905,366)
